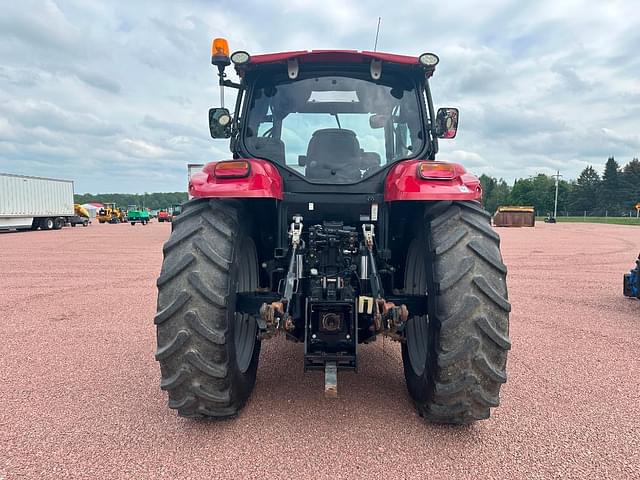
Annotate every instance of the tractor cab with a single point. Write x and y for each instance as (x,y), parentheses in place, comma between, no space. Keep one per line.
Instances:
(333,117)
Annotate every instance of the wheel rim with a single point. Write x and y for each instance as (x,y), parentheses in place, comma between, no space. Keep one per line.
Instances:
(417,329)
(417,343)
(245,326)
(245,340)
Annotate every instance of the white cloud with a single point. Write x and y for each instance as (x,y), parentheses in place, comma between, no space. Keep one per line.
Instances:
(103,91)
(140,148)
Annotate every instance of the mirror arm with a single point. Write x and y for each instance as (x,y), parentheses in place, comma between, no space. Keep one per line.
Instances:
(222,76)
(432,117)
(229,83)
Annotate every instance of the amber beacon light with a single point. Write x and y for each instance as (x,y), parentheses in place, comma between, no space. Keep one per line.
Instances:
(220,52)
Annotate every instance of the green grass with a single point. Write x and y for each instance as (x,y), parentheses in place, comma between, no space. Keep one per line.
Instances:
(612,220)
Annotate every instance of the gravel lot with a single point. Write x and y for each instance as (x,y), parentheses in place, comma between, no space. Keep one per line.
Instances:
(80,393)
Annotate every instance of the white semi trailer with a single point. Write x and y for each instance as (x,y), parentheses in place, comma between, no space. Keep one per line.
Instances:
(191,169)
(35,202)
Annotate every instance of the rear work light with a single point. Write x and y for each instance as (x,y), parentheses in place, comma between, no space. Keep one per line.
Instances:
(240,57)
(436,171)
(232,169)
(429,59)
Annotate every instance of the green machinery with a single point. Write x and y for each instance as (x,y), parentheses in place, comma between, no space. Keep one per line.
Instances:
(137,215)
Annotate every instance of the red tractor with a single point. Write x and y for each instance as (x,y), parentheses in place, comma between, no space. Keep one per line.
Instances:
(164,216)
(332,224)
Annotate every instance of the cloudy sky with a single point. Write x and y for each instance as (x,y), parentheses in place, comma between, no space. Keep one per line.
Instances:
(115,94)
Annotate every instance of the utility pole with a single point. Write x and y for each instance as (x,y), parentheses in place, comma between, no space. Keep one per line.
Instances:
(555,207)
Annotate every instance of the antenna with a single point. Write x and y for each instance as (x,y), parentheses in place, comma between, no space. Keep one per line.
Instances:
(375,45)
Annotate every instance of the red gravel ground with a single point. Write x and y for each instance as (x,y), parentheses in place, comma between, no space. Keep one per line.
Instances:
(80,397)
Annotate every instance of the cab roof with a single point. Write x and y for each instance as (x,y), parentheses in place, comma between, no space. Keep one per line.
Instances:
(353,57)
(337,56)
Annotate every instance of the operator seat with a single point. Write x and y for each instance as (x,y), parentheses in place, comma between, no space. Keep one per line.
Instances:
(333,154)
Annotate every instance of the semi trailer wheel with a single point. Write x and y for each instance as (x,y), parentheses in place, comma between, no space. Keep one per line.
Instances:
(455,358)
(208,354)
(58,223)
(47,224)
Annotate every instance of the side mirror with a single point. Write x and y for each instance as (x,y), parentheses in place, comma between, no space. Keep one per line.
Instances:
(219,123)
(447,122)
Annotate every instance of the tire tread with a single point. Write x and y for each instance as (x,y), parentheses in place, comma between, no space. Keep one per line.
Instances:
(468,357)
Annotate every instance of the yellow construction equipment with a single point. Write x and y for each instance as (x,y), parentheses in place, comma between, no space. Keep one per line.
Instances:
(110,213)
(80,211)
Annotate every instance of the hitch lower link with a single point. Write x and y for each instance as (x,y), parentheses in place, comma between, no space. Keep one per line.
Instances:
(388,318)
(275,315)
(271,320)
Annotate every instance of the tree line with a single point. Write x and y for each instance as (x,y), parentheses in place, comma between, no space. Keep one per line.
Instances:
(614,193)
(154,201)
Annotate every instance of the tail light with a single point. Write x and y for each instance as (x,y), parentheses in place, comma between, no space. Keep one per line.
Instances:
(232,169)
(436,171)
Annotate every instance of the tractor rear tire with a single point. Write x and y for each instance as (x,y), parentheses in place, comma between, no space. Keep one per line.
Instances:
(208,354)
(455,358)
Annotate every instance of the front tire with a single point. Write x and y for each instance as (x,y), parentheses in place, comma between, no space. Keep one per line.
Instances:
(208,354)
(455,359)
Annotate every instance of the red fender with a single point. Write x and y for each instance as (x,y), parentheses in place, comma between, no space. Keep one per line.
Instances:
(403,183)
(263,181)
